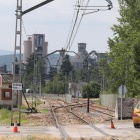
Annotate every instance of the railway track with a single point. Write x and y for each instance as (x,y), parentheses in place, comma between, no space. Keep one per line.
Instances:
(59,124)
(101,110)
(69,109)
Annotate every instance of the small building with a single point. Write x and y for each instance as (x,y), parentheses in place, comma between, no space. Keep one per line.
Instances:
(75,89)
(6,93)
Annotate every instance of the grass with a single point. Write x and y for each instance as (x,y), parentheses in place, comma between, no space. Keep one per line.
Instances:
(44,111)
(38,103)
(5,116)
(23,107)
(35,137)
(99,102)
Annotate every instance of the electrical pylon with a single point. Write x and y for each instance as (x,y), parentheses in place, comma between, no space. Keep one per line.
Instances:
(18,33)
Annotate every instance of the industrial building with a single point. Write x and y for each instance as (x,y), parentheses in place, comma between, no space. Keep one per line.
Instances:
(36,44)
(3,69)
(77,60)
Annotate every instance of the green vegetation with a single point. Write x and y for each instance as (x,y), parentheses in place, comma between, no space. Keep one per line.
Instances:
(22,107)
(44,110)
(38,103)
(66,66)
(5,116)
(93,88)
(124,55)
(58,85)
(99,101)
(28,72)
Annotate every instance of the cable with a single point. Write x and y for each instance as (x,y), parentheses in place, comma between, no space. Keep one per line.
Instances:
(24,28)
(70,27)
(73,27)
(82,18)
(79,23)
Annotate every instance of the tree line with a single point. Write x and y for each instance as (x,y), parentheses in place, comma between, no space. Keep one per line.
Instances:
(57,82)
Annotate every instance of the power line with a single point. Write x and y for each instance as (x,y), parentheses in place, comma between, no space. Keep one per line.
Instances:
(84,10)
(73,26)
(79,23)
(70,27)
(24,28)
(73,29)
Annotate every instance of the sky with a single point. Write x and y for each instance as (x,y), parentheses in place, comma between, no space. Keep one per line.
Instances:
(54,20)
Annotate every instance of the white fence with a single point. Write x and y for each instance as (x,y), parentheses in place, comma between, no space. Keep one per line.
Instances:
(109,99)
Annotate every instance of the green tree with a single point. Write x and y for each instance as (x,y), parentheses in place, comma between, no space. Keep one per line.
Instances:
(48,87)
(66,66)
(124,44)
(29,66)
(41,71)
(29,70)
(93,88)
(80,74)
(57,85)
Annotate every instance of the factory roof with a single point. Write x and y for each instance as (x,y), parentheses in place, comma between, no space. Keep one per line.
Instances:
(80,56)
(8,78)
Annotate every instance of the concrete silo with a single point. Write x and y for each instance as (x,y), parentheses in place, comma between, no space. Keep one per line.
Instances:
(77,60)
(36,45)
(27,49)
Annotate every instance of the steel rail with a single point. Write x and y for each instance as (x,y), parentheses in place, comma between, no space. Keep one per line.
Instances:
(62,131)
(73,112)
(100,111)
(102,108)
(92,125)
(65,106)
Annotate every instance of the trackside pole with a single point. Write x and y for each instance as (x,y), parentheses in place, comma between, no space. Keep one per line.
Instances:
(121,102)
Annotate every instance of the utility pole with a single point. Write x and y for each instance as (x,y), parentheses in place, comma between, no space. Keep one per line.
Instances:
(57,87)
(88,99)
(40,86)
(18,40)
(88,90)
(127,74)
(53,84)
(18,32)
(103,78)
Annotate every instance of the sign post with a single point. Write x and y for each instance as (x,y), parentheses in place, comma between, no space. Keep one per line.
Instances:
(122,90)
(0,81)
(16,86)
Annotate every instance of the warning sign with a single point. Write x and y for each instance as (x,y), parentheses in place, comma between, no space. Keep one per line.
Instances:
(16,86)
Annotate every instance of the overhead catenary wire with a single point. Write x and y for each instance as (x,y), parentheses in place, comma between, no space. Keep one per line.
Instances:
(73,26)
(24,28)
(70,27)
(79,23)
(84,10)
(94,11)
